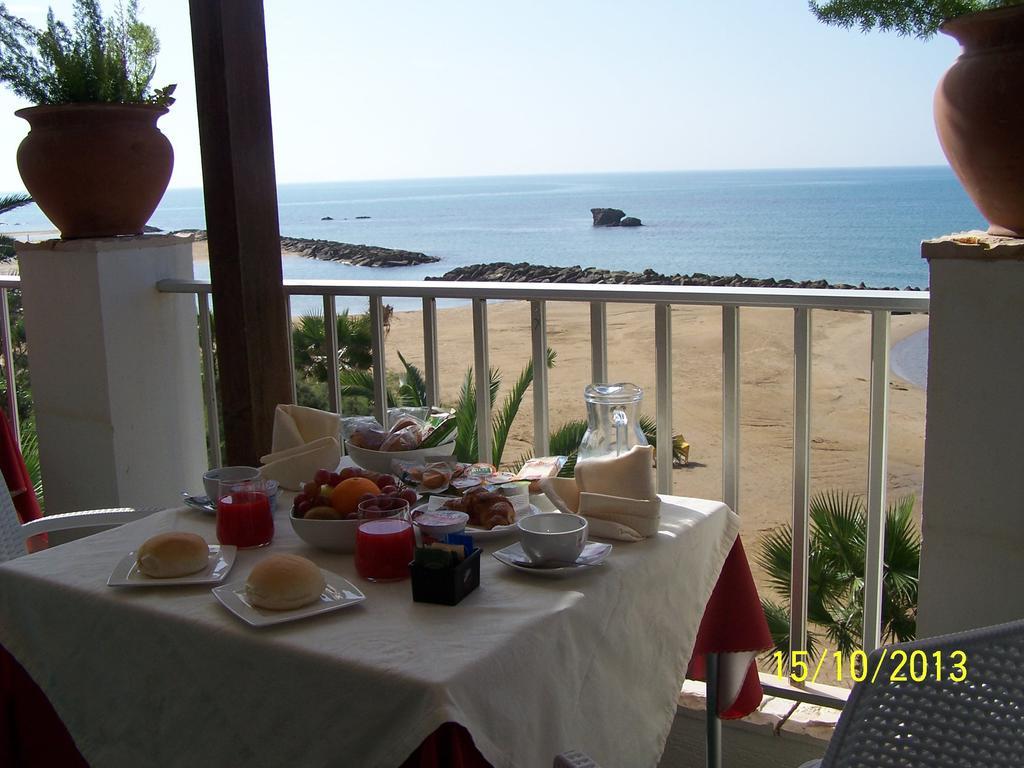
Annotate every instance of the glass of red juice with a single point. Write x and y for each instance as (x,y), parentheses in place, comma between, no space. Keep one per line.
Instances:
(245,515)
(384,540)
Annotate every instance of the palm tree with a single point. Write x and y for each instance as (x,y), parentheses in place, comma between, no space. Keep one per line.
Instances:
(309,340)
(838,553)
(7,204)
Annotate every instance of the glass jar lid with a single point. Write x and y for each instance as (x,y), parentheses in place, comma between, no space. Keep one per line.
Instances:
(613,394)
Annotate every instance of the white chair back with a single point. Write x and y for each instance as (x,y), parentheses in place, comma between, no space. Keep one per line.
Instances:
(952,700)
(12,541)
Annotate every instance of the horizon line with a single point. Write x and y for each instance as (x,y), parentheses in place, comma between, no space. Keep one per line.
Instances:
(594,173)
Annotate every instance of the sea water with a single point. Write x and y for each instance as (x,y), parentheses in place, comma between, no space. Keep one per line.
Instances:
(842,225)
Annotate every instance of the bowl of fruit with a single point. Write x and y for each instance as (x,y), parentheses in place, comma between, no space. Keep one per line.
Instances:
(324,514)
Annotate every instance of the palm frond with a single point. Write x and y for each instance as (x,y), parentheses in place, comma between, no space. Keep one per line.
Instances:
(501,423)
(9,202)
(414,387)
(465,416)
(774,556)
(777,617)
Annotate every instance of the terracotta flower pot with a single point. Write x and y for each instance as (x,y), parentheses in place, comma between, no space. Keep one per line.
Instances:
(979,114)
(95,170)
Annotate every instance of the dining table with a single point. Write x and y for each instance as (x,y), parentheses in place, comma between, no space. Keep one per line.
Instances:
(525,667)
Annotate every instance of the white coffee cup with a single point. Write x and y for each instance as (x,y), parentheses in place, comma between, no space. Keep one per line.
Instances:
(552,538)
(213,478)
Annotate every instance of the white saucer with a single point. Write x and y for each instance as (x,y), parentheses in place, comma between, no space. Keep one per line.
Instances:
(513,556)
(339,593)
(127,574)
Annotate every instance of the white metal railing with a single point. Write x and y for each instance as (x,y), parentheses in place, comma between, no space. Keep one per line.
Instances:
(7,283)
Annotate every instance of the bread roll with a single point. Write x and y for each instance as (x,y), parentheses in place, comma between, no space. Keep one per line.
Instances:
(172,554)
(284,582)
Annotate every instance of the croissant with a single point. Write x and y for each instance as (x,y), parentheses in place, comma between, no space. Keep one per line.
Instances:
(486,509)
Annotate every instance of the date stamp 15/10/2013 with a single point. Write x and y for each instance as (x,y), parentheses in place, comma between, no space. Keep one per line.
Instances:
(906,666)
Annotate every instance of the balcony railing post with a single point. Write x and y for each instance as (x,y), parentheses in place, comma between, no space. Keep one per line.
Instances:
(877,465)
(331,353)
(801,478)
(209,381)
(380,381)
(8,347)
(598,341)
(663,376)
(539,337)
(731,407)
(290,333)
(430,357)
(483,381)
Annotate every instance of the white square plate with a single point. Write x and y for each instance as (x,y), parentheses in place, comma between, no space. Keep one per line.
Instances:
(338,593)
(127,574)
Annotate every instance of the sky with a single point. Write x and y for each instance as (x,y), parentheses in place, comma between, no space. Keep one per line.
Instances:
(398,89)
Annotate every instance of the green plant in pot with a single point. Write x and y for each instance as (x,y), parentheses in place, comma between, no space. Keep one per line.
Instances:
(94,159)
(979,111)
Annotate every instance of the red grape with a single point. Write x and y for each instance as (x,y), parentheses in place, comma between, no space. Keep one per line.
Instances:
(302,508)
(322,501)
(311,490)
(387,489)
(408,495)
(322,476)
(367,497)
(301,497)
(335,478)
(385,480)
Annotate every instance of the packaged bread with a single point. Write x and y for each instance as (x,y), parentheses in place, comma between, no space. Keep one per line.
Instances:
(536,470)
(284,582)
(172,554)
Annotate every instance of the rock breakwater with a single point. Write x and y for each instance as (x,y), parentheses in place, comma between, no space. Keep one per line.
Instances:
(522,272)
(348,253)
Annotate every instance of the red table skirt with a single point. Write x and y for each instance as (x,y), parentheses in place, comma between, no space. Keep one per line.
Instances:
(32,736)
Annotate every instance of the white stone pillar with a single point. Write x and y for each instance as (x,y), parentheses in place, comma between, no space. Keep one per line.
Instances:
(114,366)
(972,563)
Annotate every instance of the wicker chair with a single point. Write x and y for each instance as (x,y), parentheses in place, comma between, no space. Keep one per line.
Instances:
(13,533)
(935,723)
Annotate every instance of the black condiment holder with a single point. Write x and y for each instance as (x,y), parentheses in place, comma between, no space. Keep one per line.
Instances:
(445,586)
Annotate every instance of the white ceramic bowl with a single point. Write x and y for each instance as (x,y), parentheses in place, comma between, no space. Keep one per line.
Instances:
(380,461)
(552,538)
(329,535)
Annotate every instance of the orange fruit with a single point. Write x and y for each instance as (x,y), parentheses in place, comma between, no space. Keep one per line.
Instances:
(346,494)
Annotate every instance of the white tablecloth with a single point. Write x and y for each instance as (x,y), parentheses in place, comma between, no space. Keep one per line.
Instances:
(530,666)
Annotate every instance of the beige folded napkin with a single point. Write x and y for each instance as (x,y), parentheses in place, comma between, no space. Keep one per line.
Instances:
(617,495)
(296,425)
(294,466)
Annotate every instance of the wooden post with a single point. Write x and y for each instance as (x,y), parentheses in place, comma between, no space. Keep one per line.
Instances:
(240,188)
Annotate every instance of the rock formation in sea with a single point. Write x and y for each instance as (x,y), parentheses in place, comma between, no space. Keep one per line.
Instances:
(613,217)
(348,253)
(504,271)
(607,217)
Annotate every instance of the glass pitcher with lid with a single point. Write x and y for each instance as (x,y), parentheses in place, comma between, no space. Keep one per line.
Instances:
(613,420)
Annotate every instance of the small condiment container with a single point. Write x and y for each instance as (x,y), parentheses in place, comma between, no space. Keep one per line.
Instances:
(436,524)
(515,488)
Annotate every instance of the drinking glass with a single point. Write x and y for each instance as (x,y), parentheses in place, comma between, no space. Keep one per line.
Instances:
(384,540)
(245,515)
